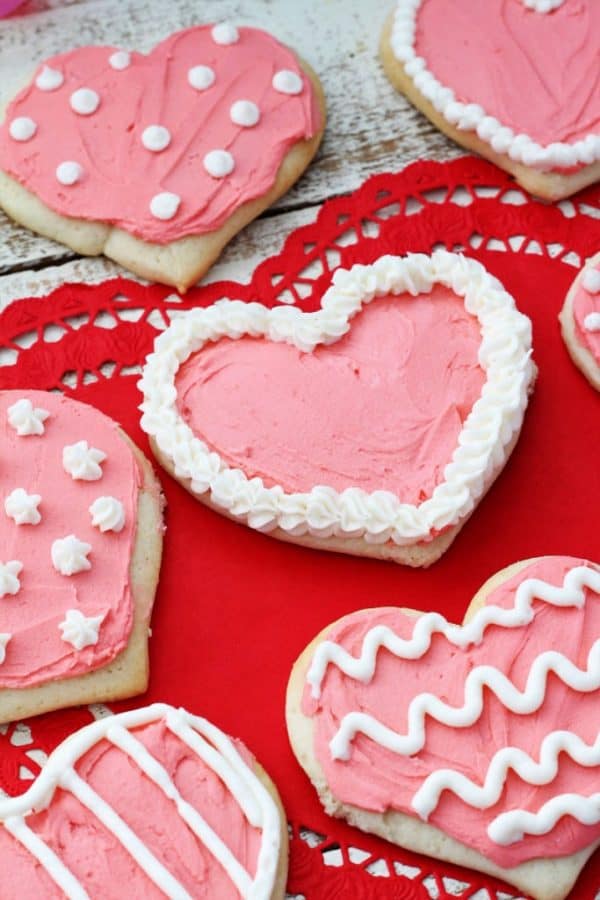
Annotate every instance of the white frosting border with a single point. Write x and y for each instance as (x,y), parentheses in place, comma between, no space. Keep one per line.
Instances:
(471,116)
(483,443)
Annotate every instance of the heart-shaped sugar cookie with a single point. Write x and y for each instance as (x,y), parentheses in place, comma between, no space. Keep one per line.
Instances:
(580,321)
(368,430)
(515,80)
(158,160)
(477,743)
(156,800)
(80,539)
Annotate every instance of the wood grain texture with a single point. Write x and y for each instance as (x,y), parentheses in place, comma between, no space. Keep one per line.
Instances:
(370,128)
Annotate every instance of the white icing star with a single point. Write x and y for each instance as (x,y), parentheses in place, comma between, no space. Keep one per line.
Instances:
(23,507)
(26,419)
(82,462)
(79,630)
(69,555)
(9,580)
(4,639)
(107,514)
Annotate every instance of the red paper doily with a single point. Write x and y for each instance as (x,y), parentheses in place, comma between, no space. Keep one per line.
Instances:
(234,607)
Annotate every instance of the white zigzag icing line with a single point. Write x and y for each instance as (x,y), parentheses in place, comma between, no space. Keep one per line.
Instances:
(509,827)
(483,796)
(221,755)
(362,668)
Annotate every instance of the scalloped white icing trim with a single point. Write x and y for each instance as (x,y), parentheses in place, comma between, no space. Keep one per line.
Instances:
(471,116)
(215,749)
(482,444)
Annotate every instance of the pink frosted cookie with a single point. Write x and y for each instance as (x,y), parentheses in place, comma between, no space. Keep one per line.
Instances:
(580,321)
(150,803)
(515,80)
(372,427)
(474,743)
(158,160)
(80,539)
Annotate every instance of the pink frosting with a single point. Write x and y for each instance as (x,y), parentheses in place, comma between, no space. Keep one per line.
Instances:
(101,863)
(36,651)
(585,303)
(120,176)
(381,409)
(536,73)
(376,779)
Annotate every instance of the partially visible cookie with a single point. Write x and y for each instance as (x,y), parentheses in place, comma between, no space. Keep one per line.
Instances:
(509,79)
(580,321)
(373,426)
(476,744)
(158,160)
(152,802)
(80,549)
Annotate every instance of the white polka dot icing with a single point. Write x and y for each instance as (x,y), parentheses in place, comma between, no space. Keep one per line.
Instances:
(244,113)
(156,138)
(201,77)
(165,205)
(22,128)
(219,163)
(591,280)
(592,322)
(84,101)
(69,172)
(49,79)
(287,82)
(225,33)
(119,60)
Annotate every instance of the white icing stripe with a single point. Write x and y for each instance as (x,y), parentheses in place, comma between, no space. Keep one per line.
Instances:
(509,827)
(487,432)
(520,702)
(483,796)
(112,821)
(125,741)
(255,800)
(362,668)
(47,858)
(472,117)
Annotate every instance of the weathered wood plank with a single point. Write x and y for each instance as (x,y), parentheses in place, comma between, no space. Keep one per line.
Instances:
(370,127)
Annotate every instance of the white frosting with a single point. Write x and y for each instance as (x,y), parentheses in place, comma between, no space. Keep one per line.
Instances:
(592,321)
(519,761)
(9,577)
(69,555)
(23,507)
(156,138)
(201,77)
(27,419)
(542,6)
(4,639)
(82,462)
(108,514)
(69,172)
(219,163)
(509,827)
(225,33)
(591,280)
(22,128)
(49,79)
(287,82)
(362,668)
(244,113)
(79,630)
(119,60)
(84,101)
(472,117)
(490,427)
(165,205)
(211,745)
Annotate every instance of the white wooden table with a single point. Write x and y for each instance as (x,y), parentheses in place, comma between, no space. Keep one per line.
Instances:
(370,128)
